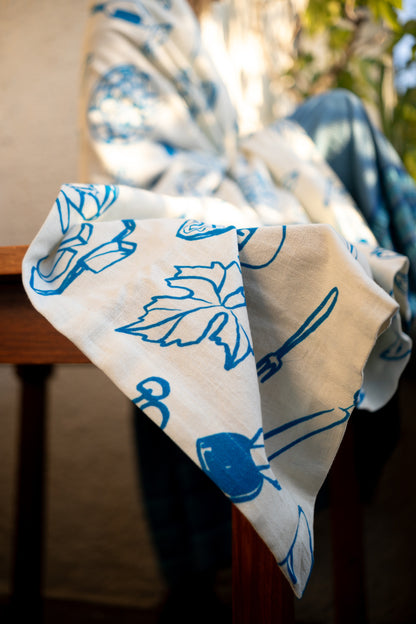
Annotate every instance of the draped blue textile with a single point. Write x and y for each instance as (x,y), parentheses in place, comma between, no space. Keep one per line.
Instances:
(369,168)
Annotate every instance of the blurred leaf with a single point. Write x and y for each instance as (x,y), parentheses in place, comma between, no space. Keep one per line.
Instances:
(357,57)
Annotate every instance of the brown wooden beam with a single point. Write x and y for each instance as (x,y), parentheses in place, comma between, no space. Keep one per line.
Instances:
(30,498)
(261,593)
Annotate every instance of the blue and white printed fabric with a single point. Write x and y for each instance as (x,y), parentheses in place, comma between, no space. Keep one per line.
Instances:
(228,287)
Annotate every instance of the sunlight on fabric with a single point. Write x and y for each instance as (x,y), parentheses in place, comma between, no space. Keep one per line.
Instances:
(260,48)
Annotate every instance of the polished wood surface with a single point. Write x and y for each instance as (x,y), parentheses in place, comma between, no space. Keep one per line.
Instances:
(261,594)
(11,259)
(26,337)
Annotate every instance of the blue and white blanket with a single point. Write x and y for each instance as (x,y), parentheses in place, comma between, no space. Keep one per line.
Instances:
(229,286)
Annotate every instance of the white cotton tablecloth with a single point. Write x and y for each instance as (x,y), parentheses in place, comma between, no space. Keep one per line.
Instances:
(241,301)
(245,344)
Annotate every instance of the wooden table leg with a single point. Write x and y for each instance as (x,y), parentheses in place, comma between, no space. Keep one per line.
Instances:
(347,535)
(29,521)
(261,594)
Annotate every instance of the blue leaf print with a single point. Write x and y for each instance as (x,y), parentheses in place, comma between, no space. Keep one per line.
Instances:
(213,308)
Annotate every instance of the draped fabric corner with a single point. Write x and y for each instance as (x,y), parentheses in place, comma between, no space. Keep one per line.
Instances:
(229,287)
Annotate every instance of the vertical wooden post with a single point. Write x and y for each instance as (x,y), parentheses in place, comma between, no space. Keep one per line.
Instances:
(29,520)
(261,593)
(347,535)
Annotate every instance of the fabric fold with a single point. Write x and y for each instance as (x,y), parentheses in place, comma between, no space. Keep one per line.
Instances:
(245,344)
(228,285)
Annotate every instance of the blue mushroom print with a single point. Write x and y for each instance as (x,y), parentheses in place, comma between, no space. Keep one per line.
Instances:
(121,105)
(226,458)
(212,308)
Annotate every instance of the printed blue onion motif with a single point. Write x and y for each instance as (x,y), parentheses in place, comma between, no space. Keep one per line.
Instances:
(122,105)
(89,200)
(226,458)
(212,308)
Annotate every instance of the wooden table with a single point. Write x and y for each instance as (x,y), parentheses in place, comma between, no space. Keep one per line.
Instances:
(261,595)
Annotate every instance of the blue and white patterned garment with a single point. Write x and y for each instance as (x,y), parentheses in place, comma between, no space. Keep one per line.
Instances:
(235,295)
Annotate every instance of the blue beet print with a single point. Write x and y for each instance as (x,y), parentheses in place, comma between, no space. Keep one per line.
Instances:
(226,458)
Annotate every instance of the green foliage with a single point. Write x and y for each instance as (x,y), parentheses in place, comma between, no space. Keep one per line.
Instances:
(350,45)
